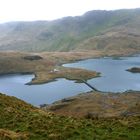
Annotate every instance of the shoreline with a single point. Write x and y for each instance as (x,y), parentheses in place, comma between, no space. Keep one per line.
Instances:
(40,68)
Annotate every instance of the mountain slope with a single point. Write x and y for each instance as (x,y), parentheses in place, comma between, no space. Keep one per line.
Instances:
(95,30)
(21,121)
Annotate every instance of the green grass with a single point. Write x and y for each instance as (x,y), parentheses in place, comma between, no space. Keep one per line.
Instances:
(28,122)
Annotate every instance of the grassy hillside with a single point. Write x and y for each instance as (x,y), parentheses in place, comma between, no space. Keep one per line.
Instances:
(21,121)
(113,31)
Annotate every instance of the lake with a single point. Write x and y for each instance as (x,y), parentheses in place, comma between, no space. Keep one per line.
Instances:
(114,78)
(14,85)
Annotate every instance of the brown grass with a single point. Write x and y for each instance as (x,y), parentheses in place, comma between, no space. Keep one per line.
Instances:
(11,135)
(99,104)
(14,62)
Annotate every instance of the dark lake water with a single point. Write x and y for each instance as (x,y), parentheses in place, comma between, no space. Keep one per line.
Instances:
(114,78)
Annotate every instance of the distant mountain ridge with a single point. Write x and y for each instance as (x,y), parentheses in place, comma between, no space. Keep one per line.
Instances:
(105,31)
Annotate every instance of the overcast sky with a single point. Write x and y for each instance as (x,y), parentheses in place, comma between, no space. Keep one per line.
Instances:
(17,10)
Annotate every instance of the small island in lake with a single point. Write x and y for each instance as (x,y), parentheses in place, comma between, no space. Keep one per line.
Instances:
(134,70)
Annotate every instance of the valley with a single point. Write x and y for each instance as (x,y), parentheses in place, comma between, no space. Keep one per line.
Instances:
(90,112)
(100,48)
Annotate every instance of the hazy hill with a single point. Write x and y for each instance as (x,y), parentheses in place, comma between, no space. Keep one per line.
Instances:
(95,30)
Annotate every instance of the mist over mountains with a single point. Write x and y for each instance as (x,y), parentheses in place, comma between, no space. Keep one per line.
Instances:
(117,30)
